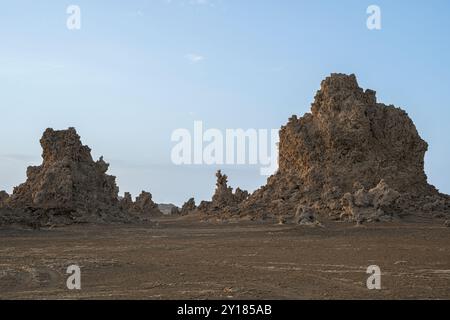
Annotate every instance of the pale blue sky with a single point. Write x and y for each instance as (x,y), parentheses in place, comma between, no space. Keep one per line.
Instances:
(137,70)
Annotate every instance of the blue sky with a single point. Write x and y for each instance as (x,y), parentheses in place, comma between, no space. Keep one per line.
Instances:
(137,70)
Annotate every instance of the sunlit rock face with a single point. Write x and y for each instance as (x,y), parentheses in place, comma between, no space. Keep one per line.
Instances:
(347,138)
(69,186)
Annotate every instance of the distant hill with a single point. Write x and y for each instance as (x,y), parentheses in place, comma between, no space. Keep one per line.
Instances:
(166,209)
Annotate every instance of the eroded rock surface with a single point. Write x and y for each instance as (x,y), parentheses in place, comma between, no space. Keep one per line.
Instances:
(4,196)
(224,199)
(188,207)
(145,206)
(68,187)
(306,216)
(376,204)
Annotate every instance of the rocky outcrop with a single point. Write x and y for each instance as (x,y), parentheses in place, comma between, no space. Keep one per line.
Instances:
(145,206)
(375,204)
(188,207)
(174,211)
(68,187)
(4,196)
(68,178)
(348,137)
(224,199)
(306,216)
(126,203)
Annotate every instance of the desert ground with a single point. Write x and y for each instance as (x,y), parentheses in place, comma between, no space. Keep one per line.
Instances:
(178,258)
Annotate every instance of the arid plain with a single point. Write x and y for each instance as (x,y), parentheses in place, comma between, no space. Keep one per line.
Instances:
(180,258)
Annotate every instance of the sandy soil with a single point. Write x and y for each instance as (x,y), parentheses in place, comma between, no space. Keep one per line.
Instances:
(179,259)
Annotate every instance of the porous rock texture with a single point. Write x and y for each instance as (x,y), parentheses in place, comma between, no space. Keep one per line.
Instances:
(224,199)
(348,140)
(375,204)
(306,216)
(68,187)
(4,196)
(126,202)
(188,207)
(144,206)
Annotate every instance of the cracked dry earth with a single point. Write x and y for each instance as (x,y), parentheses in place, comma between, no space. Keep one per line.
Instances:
(181,259)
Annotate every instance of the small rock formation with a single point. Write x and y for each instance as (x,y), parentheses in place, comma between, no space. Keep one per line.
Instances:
(224,199)
(188,207)
(306,216)
(373,205)
(4,196)
(348,137)
(126,203)
(145,206)
(447,223)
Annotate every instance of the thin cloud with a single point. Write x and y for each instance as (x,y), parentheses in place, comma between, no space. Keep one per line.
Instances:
(209,3)
(195,58)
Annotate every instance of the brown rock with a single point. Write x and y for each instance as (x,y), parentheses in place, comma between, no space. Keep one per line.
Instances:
(144,205)
(373,205)
(348,137)
(126,203)
(224,199)
(306,215)
(174,211)
(69,186)
(188,207)
(4,196)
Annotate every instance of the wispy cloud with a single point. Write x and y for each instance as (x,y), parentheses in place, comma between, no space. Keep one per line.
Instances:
(209,3)
(195,58)
(200,2)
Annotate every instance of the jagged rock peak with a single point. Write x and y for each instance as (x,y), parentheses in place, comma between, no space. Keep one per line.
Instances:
(63,145)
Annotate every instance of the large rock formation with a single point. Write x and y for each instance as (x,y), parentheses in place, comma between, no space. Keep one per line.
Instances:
(68,178)
(347,138)
(224,199)
(69,187)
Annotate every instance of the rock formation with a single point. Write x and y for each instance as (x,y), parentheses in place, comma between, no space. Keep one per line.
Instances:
(174,211)
(188,207)
(4,196)
(348,137)
(68,178)
(373,205)
(68,187)
(145,206)
(126,203)
(224,199)
(306,216)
